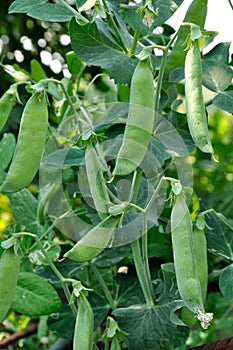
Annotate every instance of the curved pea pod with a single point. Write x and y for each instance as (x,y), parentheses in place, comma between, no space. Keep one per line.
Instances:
(196,14)
(94,242)
(9,271)
(184,261)
(140,121)
(96,181)
(30,144)
(84,325)
(7,102)
(196,114)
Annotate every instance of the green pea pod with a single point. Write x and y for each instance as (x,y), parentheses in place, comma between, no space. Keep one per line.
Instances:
(188,282)
(140,121)
(196,14)
(9,270)
(183,252)
(200,253)
(94,242)
(30,145)
(84,325)
(7,102)
(196,115)
(96,181)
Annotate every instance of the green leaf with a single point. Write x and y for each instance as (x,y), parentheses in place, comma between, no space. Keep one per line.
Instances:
(62,322)
(7,147)
(150,327)
(219,236)
(110,257)
(22,6)
(37,72)
(75,66)
(42,10)
(224,100)
(95,45)
(216,76)
(225,284)
(24,207)
(64,157)
(34,296)
(37,257)
(219,53)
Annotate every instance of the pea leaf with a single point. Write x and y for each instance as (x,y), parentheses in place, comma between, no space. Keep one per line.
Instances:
(42,10)
(24,207)
(7,147)
(219,236)
(34,296)
(37,257)
(95,45)
(224,285)
(217,76)
(62,322)
(224,100)
(150,327)
(219,53)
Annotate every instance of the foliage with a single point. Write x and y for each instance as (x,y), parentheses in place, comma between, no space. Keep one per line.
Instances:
(129,281)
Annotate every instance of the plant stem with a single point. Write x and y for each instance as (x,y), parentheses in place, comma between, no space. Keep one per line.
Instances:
(145,255)
(105,289)
(55,270)
(118,34)
(141,272)
(230,4)
(134,43)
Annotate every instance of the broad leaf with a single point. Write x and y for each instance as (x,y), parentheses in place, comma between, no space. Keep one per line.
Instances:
(224,285)
(224,100)
(7,147)
(219,53)
(217,76)
(95,45)
(219,236)
(62,322)
(163,10)
(34,296)
(42,10)
(150,327)
(24,207)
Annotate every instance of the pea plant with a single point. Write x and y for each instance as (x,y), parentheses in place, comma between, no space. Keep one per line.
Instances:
(114,244)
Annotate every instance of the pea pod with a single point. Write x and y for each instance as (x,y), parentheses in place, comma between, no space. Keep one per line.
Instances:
(84,325)
(200,254)
(140,121)
(94,242)
(196,115)
(96,181)
(9,270)
(196,14)
(30,145)
(7,102)
(184,261)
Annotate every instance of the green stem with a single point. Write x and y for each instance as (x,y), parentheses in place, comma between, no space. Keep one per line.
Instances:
(141,272)
(55,270)
(145,255)
(134,43)
(105,289)
(117,32)
(230,4)
(160,80)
